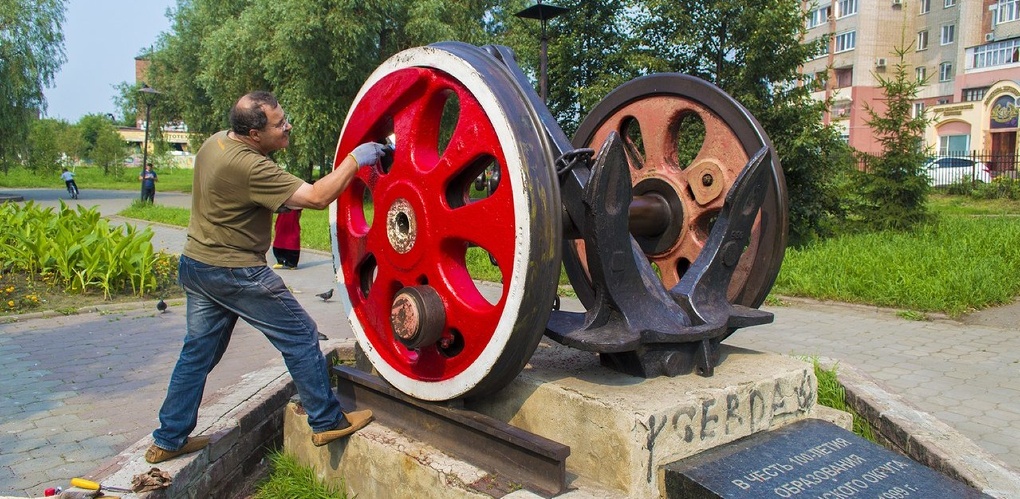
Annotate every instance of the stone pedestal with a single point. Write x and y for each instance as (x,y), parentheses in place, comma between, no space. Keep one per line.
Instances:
(621,429)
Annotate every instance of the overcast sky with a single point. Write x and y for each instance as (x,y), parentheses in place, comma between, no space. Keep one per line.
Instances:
(101,40)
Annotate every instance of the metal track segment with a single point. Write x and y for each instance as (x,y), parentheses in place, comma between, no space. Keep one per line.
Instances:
(490,444)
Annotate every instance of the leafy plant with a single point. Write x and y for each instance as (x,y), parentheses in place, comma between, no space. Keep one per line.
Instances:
(77,248)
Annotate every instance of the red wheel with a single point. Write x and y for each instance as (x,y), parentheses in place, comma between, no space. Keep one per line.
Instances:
(404,231)
(686,143)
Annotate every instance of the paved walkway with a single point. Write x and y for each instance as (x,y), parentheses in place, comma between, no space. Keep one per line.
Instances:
(79,389)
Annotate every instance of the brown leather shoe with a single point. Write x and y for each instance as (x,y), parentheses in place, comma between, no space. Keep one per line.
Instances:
(158,454)
(357,420)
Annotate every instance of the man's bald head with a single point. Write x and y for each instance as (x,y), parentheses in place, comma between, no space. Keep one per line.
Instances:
(249,112)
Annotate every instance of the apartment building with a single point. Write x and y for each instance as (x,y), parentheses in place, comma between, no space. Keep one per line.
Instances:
(967,52)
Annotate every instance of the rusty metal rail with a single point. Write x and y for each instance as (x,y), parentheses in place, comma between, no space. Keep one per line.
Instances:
(537,463)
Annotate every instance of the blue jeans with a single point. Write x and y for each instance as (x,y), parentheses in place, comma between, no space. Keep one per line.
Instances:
(216,297)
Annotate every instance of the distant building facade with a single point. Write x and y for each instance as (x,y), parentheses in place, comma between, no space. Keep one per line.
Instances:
(968,51)
(176,136)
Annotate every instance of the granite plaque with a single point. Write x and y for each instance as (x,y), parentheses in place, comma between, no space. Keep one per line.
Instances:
(807,459)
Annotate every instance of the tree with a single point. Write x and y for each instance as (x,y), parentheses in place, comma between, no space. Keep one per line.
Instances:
(896,191)
(44,145)
(31,52)
(110,150)
(90,127)
(126,101)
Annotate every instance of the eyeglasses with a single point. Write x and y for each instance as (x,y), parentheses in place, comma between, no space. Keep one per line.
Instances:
(283,124)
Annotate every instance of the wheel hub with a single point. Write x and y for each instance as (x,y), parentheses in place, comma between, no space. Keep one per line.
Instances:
(401,226)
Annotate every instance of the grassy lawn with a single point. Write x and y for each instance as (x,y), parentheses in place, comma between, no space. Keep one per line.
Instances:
(88,177)
(965,261)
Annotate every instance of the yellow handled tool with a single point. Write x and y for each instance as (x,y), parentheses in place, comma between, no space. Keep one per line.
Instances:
(82,483)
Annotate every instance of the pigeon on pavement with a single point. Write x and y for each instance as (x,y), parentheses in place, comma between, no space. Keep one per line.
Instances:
(326,296)
(161,306)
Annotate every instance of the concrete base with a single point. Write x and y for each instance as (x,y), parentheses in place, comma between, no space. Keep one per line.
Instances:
(620,429)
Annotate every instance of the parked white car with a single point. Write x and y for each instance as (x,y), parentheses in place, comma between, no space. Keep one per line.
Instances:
(948,171)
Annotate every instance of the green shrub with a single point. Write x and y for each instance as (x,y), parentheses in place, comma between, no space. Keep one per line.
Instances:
(1000,188)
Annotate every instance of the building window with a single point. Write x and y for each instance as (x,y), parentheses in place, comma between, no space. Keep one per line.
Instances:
(921,73)
(845,77)
(945,71)
(950,145)
(942,101)
(1008,10)
(846,8)
(949,3)
(821,47)
(922,40)
(822,79)
(845,41)
(818,17)
(925,6)
(918,110)
(997,54)
(948,34)
(974,94)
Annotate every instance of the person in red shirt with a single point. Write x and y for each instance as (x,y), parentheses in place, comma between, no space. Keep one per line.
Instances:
(287,241)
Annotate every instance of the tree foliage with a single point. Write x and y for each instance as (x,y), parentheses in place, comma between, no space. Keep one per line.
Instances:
(897,188)
(31,52)
(313,54)
(110,150)
(44,145)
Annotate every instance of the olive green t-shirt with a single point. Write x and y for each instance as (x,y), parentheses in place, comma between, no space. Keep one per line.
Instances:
(235,193)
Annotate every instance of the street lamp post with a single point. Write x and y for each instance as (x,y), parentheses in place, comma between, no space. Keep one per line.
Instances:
(542,12)
(147,95)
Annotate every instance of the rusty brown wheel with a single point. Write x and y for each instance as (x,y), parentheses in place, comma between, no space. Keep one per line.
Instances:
(686,142)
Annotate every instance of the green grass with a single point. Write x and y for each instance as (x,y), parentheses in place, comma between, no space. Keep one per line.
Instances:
(88,177)
(831,394)
(955,265)
(157,213)
(289,478)
(963,205)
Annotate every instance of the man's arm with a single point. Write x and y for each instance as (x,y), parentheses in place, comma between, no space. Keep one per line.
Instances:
(327,189)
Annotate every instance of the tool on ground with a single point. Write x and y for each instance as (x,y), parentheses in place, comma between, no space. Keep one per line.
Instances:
(90,485)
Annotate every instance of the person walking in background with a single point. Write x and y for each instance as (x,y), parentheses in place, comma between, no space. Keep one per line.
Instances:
(72,187)
(148,178)
(287,241)
(237,187)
